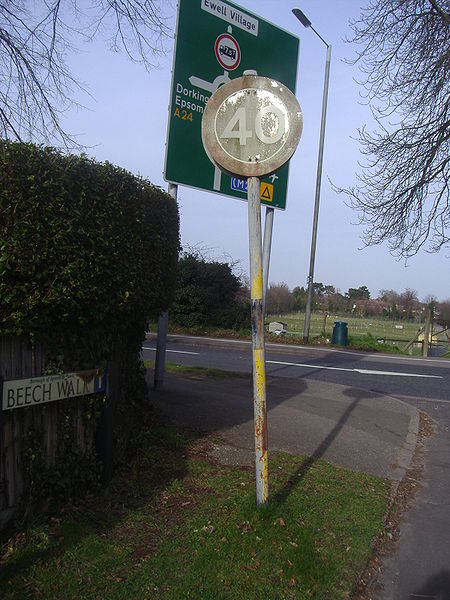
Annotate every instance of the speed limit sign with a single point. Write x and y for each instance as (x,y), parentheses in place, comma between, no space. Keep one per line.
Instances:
(251,126)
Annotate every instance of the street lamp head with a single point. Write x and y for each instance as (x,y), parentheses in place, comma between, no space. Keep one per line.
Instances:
(301,17)
(307,23)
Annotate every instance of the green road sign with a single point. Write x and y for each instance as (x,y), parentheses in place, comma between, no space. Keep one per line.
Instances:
(216,41)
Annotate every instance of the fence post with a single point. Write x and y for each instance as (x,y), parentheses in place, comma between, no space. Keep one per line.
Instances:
(106,427)
(1,414)
(160,358)
(426,335)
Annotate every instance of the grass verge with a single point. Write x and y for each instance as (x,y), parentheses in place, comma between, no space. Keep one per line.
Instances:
(175,525)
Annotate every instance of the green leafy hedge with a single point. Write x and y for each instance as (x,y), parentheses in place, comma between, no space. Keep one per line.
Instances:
(88,252)
(88,255)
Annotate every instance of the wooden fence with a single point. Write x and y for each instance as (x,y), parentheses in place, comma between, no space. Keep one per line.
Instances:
(20,359)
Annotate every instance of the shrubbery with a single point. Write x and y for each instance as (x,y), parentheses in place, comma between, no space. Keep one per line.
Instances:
(208,295)
(88,254)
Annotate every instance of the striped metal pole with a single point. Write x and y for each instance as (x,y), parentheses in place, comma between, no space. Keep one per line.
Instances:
(259,371)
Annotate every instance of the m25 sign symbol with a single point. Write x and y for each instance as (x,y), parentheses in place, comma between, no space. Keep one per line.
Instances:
(269,126)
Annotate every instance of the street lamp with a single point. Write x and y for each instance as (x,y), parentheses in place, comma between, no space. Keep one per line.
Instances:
(307,23)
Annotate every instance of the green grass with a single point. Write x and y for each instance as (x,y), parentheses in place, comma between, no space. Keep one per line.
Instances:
(173,525)
(364,332)
(357,326)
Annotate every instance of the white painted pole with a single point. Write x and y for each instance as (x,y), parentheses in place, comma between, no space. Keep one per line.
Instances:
(267,247)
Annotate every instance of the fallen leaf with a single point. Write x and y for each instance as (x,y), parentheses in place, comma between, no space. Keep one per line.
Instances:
(208,528)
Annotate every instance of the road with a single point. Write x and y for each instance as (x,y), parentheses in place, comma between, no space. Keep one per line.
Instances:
(424,379)
(420,567)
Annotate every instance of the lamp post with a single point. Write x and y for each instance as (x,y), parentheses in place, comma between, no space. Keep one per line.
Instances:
(307,23)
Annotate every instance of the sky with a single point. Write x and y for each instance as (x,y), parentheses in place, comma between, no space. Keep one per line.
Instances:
(125,122)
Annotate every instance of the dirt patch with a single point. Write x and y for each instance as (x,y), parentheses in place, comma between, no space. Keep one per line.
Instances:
(148,545)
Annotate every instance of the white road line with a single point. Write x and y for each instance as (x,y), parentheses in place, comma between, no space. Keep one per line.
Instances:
(408,399)
(173,351)
(362,371)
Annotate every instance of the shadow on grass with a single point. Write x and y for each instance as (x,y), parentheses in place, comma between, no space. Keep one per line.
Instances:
(157,459)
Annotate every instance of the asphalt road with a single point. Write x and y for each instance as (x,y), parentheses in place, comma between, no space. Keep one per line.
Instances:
(402,377)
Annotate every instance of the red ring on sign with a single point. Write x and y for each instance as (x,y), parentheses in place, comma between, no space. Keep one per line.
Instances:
(237,60)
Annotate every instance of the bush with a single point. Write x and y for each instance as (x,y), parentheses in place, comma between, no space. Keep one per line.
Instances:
(371,344)
(207,295)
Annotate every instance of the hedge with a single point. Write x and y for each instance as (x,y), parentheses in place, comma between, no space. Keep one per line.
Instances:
(88,252)
(88,255)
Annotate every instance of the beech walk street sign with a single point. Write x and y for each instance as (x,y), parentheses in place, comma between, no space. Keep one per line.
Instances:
(216,41)
(20,393)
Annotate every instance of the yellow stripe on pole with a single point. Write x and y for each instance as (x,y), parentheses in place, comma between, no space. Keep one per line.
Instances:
(260,373)
(262,469)
(257,285)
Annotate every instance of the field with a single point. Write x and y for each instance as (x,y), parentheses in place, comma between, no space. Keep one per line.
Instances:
(397,332)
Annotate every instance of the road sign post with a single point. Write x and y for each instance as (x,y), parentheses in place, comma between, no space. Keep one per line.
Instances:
(251,127)
(267,247)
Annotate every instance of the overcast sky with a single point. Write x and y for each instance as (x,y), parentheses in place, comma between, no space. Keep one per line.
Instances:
(126,122)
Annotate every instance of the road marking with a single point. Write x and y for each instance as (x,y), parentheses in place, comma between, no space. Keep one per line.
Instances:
(362,371)
(173,351)
(418,399)
(407,399)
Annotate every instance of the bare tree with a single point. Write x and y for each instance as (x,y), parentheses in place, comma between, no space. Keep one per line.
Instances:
(409,302)
(443,315)
(279,299)
(36,85)
(402,194)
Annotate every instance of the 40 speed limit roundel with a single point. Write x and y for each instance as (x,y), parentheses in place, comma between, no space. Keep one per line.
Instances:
(251,126)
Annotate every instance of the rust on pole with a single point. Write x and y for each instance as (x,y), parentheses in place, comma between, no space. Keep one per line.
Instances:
(427,331)
(259,370)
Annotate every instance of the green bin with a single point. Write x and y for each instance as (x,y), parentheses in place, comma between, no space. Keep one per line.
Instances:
(340,333)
